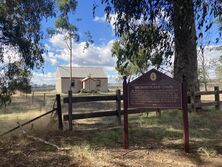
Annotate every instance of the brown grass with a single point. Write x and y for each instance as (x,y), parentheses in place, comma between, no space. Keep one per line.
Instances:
(98,142)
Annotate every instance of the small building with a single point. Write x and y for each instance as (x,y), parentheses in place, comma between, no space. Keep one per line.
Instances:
(89,78)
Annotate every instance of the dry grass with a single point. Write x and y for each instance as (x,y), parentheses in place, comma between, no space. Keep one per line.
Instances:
(98,142)
(209,97)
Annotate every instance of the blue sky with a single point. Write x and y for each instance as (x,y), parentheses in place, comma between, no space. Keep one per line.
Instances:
(98,54)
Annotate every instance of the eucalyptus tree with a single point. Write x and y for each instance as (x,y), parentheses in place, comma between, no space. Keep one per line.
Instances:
(64,25)
(175,17)
(133,60)
(20,22)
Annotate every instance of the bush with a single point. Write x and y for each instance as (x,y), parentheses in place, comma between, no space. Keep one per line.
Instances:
(88,91)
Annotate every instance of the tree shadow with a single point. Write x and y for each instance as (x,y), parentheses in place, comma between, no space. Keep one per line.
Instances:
(153,135)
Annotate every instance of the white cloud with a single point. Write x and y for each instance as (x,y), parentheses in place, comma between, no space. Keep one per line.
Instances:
(58,41)
(51,57)
(99,19)
(103,19)
(43,78)
(92,56)
(210,55)
(10,54)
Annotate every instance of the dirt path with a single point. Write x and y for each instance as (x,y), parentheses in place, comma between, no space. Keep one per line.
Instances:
(19,151)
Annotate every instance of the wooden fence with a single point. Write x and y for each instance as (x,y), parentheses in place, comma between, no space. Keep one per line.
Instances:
(194,104)
(56,108)
(112,98)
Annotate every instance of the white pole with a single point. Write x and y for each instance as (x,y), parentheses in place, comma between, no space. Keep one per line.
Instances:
(70,41)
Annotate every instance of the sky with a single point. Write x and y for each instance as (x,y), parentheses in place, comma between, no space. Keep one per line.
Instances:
(98,54)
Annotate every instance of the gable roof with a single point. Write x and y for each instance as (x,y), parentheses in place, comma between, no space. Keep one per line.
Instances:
(88,78)
(160,77)
(81,72)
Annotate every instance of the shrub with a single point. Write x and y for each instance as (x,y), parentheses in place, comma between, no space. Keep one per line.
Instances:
(88,91)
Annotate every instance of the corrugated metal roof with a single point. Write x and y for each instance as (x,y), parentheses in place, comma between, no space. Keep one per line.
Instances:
(81,72)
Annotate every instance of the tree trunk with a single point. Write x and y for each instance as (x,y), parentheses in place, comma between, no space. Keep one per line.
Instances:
(185,62)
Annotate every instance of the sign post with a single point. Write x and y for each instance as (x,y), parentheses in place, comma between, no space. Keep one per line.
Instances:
(155,90)
(125,110)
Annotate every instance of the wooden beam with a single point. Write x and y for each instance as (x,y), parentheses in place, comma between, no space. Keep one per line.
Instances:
(105,113)
(76,99)
(70,110)
(217,98)
(118,105)
(205,104)
(91,115)
(59,112)
(198,93)
(204,93)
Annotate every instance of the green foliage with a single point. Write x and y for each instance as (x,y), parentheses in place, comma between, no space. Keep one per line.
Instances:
(218,68)
(20,28)
(14,77)
(66,6)
(88,91)
(170,24)
(20,23)
(134,58)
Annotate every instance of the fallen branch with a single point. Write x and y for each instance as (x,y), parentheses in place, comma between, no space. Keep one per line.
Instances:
(41,140)
(11,130)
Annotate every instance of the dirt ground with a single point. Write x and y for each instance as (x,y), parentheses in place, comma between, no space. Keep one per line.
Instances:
(74,149)
(98,142)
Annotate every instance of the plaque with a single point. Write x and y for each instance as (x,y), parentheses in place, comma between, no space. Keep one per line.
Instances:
(154,90)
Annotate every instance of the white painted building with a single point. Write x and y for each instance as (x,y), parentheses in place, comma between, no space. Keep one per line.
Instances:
(89,78)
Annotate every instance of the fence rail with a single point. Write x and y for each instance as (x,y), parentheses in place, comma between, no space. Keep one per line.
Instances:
(56,108)
(194,98)
(193,104)
(76,99)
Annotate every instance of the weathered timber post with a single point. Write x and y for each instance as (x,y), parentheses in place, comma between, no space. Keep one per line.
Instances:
(44,99)
(125,108)
(59,112)
(70,110)
(217,98)
(32,97)
(185,116)
(26,91)
(158,113)
(118,105)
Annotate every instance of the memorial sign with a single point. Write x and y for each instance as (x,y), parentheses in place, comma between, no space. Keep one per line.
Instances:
(154,90)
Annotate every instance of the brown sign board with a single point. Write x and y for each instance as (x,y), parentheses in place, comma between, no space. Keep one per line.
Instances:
(154,90)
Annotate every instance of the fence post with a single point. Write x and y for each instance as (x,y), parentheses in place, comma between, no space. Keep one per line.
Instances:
(32,97)
(44,99)
(125,108)
(118,105)
(217,98)
(70,110)
(59,111)
(158,113)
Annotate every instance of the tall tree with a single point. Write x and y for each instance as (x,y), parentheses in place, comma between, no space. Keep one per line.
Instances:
(20,22)
(63,25)
(185,62)
(174,17)
(143,56)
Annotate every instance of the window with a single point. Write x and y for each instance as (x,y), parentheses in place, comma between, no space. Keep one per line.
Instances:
(73,83)
(98,83)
